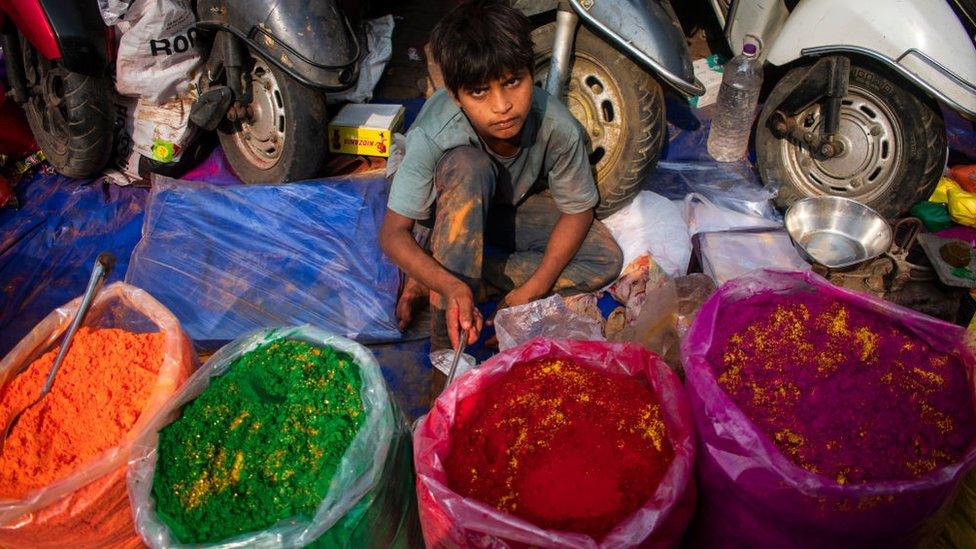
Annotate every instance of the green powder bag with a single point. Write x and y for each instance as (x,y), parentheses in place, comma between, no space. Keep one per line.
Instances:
(331,466)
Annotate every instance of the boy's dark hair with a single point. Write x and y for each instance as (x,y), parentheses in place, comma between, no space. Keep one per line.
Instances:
(481,40)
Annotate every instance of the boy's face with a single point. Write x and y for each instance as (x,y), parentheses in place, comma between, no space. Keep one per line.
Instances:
(497,109)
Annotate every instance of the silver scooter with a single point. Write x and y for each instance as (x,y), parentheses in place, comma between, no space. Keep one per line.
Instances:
(856,111)
(608,70)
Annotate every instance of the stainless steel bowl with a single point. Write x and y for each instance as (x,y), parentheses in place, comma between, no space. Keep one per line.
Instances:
(837,232)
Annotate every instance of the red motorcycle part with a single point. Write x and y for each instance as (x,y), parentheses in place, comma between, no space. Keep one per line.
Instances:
(30,19)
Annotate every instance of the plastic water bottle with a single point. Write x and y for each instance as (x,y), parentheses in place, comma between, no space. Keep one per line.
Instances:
(728,138)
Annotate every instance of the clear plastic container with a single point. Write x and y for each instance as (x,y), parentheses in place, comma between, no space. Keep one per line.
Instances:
(728,138)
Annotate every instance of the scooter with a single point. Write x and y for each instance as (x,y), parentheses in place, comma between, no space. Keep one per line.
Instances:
(57,56)
(609,70)
(856,112)
(264,81)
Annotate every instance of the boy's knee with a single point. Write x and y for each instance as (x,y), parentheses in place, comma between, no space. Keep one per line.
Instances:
(614,261)
(465,166)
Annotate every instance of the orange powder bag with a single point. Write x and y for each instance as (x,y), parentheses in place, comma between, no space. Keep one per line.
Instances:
(98,394)
(62,472)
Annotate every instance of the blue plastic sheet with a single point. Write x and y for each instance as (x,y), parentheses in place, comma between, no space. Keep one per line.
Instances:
(48,247)
(228,260)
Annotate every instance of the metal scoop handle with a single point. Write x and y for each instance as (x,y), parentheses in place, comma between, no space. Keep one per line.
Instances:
(103,266)
(462,342)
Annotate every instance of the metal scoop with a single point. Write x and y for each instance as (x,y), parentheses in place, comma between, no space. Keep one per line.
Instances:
(462,342)
(103,266)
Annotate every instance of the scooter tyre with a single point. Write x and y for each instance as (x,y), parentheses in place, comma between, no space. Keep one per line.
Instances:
(81,144)
(639,114)
(920,157)
(304,148)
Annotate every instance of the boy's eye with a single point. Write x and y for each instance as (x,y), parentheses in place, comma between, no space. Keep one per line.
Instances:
(477,92)
(513,82)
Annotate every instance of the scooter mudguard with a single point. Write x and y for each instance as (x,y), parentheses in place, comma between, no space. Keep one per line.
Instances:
(311,40)
(649,31)
(923,40)
(69,30)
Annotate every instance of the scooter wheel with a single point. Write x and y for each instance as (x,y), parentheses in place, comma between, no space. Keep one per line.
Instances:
(894,145)
(283,136)
(70,116)
(620,106)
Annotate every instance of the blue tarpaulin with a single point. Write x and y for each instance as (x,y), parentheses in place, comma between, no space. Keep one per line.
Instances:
(49,245)
(228,260)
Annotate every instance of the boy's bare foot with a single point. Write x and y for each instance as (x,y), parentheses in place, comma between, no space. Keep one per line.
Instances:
(412,298)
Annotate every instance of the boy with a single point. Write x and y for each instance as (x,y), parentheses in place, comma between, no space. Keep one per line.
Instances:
(492,159)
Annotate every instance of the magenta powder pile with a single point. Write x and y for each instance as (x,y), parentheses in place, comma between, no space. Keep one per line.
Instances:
(842,391)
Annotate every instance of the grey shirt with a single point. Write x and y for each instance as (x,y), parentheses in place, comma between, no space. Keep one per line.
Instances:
(552,153)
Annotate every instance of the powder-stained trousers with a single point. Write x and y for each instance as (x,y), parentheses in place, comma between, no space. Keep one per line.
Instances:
(466,219)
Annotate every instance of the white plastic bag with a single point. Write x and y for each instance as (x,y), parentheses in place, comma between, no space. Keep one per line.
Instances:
(159,56)
(157,72)
(652,223)
(379,39)
(360,470)
(162,132)
(81,510)
(547,318)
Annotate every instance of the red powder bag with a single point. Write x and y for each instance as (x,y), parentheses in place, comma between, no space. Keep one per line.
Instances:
(450,520)
(90,506)
(753,493)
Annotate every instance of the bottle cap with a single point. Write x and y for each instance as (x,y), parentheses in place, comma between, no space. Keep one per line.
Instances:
(749,49)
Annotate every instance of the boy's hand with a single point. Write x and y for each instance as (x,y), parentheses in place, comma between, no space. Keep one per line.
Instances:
(518,296)
(412,297)
(461,314)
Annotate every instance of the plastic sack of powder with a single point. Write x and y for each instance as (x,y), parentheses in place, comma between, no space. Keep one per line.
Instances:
(450,520)
(755,495)
(369,501)
(89,507)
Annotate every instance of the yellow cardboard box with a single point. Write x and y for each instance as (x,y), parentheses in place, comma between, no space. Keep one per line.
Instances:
(365,128)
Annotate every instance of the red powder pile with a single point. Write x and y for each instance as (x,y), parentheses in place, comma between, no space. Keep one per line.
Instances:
(98,394)
(561,446)
(841,390)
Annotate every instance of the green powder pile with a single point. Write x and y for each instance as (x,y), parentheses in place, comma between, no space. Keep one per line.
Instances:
(260,444)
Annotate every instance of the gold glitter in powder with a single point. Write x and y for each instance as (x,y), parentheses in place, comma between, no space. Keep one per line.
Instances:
(790,440)
(868,341)
(836,320)
(931,378)
(238,420)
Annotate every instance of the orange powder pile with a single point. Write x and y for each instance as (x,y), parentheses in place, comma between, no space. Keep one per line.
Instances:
(98,394)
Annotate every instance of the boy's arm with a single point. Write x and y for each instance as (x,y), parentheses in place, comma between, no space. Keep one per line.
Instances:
(566,238)
(397,242)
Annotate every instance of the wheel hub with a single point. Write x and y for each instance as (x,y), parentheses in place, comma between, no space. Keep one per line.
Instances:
(595,101)
(865,168)
(261,135)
